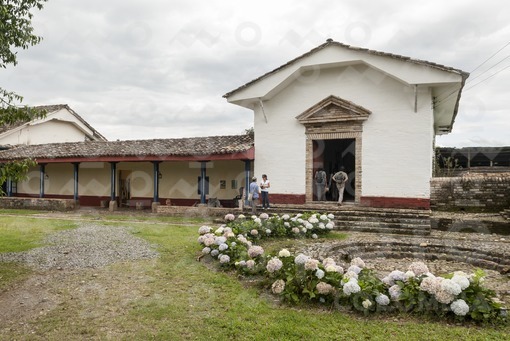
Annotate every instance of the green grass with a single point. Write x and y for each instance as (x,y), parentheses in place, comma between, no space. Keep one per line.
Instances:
(24,233)
(178,298)
(22,212)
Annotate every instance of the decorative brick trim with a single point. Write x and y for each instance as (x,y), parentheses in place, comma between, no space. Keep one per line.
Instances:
(390,202)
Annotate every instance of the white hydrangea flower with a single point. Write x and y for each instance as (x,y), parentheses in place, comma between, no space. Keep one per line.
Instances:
(382,299)
(241,216)
(220,240)
(419,268)
(230,217)
(274,264)
(358,262)
(409,274)
(461,280)
(313,220)
(250,264)
(324,288)
(295,230)
(233,244)
(395,291)
(301,259)
(322,226)
(257,221)
(351,287)
(459,307)
(351,275)
(323,217)
(284,253)
(278,286)
(443,296)
(204,229)
(366,303)
(215,253)
(319,273)
(286,224)
(354,268)
(254,232)
(311,264)
(331,216)
(241,263)
(309,226)
(255,251)
(264,216)
(219,230)
(223,247)
(314,236)
(328,261)
(206,250)
(304,230)
(285,217)
(330,226)
(224,259)
(451,287)
(268,231)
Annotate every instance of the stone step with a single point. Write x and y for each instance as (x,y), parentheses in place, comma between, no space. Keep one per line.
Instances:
(485,259)
(399,220)
(386,230)
(383,224)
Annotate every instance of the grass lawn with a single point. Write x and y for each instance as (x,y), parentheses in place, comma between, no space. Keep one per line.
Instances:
(176,297)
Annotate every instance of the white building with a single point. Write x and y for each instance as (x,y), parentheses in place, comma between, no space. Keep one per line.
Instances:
(61,124)
(375,113)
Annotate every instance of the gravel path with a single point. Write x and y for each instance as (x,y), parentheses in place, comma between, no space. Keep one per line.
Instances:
(88,246)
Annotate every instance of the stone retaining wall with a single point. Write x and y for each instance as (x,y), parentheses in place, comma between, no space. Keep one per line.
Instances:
(199,211)
(471,192)
(38,204)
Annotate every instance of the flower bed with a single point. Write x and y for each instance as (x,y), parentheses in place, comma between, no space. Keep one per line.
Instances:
(302,278)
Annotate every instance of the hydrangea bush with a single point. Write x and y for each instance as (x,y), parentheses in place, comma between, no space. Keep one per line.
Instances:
(301,278)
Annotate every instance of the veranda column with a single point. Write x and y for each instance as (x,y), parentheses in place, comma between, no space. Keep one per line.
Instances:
(202,181)
(113,181)
(155,202)
(247,168)
(9,187)
(76,166)
(42,171)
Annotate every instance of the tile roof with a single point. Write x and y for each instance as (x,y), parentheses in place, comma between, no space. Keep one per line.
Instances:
(331,42)
(157,148)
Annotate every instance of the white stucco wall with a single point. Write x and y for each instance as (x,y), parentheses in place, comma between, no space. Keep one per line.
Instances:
(397,142)
(58,126)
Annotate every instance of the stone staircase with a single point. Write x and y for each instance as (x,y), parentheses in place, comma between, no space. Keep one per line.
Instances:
(364,219)
(506,214)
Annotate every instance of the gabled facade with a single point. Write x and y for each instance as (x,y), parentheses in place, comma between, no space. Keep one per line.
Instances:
(376,114)
(61,124)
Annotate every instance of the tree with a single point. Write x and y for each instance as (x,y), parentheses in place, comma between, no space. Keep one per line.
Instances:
(16,32)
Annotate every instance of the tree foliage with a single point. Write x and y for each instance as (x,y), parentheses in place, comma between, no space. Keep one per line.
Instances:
(16,33)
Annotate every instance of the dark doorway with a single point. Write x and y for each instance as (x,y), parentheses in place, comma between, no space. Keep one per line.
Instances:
(333,154)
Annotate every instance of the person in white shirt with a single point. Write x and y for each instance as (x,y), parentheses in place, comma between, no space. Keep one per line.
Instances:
(264,189)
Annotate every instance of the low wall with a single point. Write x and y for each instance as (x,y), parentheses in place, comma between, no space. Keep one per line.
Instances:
(471,192)
(199,211)
(38,203)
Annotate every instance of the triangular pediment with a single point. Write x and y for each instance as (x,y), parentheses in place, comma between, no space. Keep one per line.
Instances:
(333,109)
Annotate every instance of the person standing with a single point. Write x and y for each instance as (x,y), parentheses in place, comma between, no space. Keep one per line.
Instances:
(254,193)
(340,178)
(264,191)
(320,184)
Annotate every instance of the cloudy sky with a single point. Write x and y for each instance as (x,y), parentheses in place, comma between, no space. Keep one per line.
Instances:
(159,68)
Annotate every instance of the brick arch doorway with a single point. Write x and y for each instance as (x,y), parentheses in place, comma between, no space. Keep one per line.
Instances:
(332,155)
